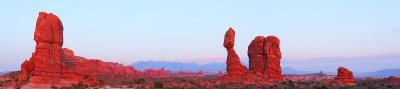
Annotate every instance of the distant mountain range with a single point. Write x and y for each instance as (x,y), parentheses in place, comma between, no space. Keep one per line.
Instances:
(214,67)
(381,73)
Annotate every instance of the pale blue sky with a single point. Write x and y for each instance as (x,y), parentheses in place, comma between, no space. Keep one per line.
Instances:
(182,30)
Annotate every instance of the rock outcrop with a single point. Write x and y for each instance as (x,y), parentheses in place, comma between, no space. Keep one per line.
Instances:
(50,64)
(272,59)
(45,67)
(256,58)
(264,58)
(159,73)
(95,66)
(393,80)
(234,67)
(344,76)
(184,73)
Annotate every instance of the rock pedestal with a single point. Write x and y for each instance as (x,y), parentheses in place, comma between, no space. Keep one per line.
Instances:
(234,66)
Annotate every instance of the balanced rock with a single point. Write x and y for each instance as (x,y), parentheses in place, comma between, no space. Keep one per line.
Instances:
(234,66)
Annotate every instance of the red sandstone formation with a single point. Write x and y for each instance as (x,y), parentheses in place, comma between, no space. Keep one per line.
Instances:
(27,68)
(46,65)
(308,77)
(392,80)
(344,76)
(272,59)
(96,67)
(160,72)
(50,64)
(200,72)
(264,58)
(234,67)
(188,73)
(256,58)
(220,73)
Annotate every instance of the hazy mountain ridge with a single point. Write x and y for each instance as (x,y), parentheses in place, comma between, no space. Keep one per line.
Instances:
(381,73)
(214,67)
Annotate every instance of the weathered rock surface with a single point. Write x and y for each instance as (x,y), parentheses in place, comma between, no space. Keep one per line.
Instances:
(392,80)
(234,66)
(184,73)
(344,75)
(95,66)
(46,66)
(50,64)
(256,58)
(272,59)
(160,72)
(264,58)
(27,68)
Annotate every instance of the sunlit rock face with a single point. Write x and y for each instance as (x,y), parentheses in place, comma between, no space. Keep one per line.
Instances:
(96,67)
(272,59)
(46,66)
(234,66)
(264,58)
(344,75)
(256,58)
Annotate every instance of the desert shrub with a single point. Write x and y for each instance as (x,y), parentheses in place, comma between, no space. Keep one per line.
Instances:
(130,86)
(192,82)
(283,83)
(372,87)
(53,87)
(321,87)
(389,86)
(183,80)
(215,86)
(247,87)
(213,81)
(223,86)
(114,86)
(304,83)
(18,87)
(64,87)
(140,87)
(346,87)
(140,81)
(80,85)
(158,85)
(176,87)
(271,87)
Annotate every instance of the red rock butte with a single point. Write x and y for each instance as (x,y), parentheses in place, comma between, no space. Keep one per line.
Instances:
(264,57)
(344,76)
(51,64)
